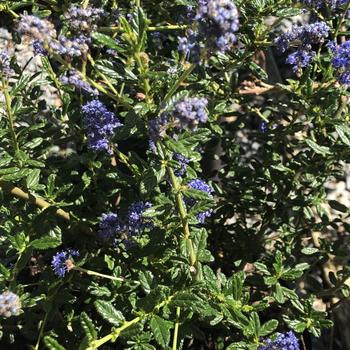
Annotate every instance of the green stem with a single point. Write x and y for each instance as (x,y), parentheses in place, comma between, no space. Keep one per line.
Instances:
(94,273)
(183,215)
(9,113)
(176,328)
(41,332)
(341,21)
(168,27)
(116,332)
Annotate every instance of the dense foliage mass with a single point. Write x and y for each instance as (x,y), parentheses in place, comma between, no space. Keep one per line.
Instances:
(171,194)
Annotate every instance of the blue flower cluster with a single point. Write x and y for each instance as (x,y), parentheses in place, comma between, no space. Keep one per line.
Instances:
(38,29)
(110,225)
(217,22)
(10,304)
(284,341)
(72,78)
(84,20)
(39,48)
(183,163)
(5,68)
(191,111)
(157,127)
(263,127)
(100,125)
(71,47)
(318,4)
(304,37)
(188,112)
(135,219)
(200,185)
(81,23)
(62,262)
(341,61)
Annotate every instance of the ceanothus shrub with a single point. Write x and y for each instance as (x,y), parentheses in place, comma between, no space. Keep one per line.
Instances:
(163,172)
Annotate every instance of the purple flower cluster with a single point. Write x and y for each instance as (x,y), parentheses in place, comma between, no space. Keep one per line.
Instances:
(200,185)
(263,127)
(62,262)
(38,29)
(183,163)
(83,20)
(10,304)
(157,127)
(284,341)
(341,61)
(217,23)
(71,47)
(5,68)
(72,78)
(38,48)
(100,125)
(191,111)
(135,219)
(318,4)
(304,37)
(188,112)
(110,225)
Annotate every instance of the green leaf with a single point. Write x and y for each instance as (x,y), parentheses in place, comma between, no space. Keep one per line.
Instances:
(33,178)
(88,326)
(161,330)
(146,279)
(279,296)
(106,40)
(309,250)
(46,242)
(268,327)
(288,12)
(343,132)
(52,344)
(323,150)
(237,285)
(109,312)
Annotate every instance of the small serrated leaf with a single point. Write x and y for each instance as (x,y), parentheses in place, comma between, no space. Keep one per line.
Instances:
(109,312)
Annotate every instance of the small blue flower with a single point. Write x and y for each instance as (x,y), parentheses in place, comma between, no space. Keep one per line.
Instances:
(284,341)
(304,37)
(341,61)
(59,261)
(200,185)
(5,68)
(300,59)
(10,304)
(36,28)
(191,111)
(217,22)
(136,222)
(183,163)
(39,48)
(110,225)
(318,4)
(84,20)
(100,125)
(72,78)
(263,127)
